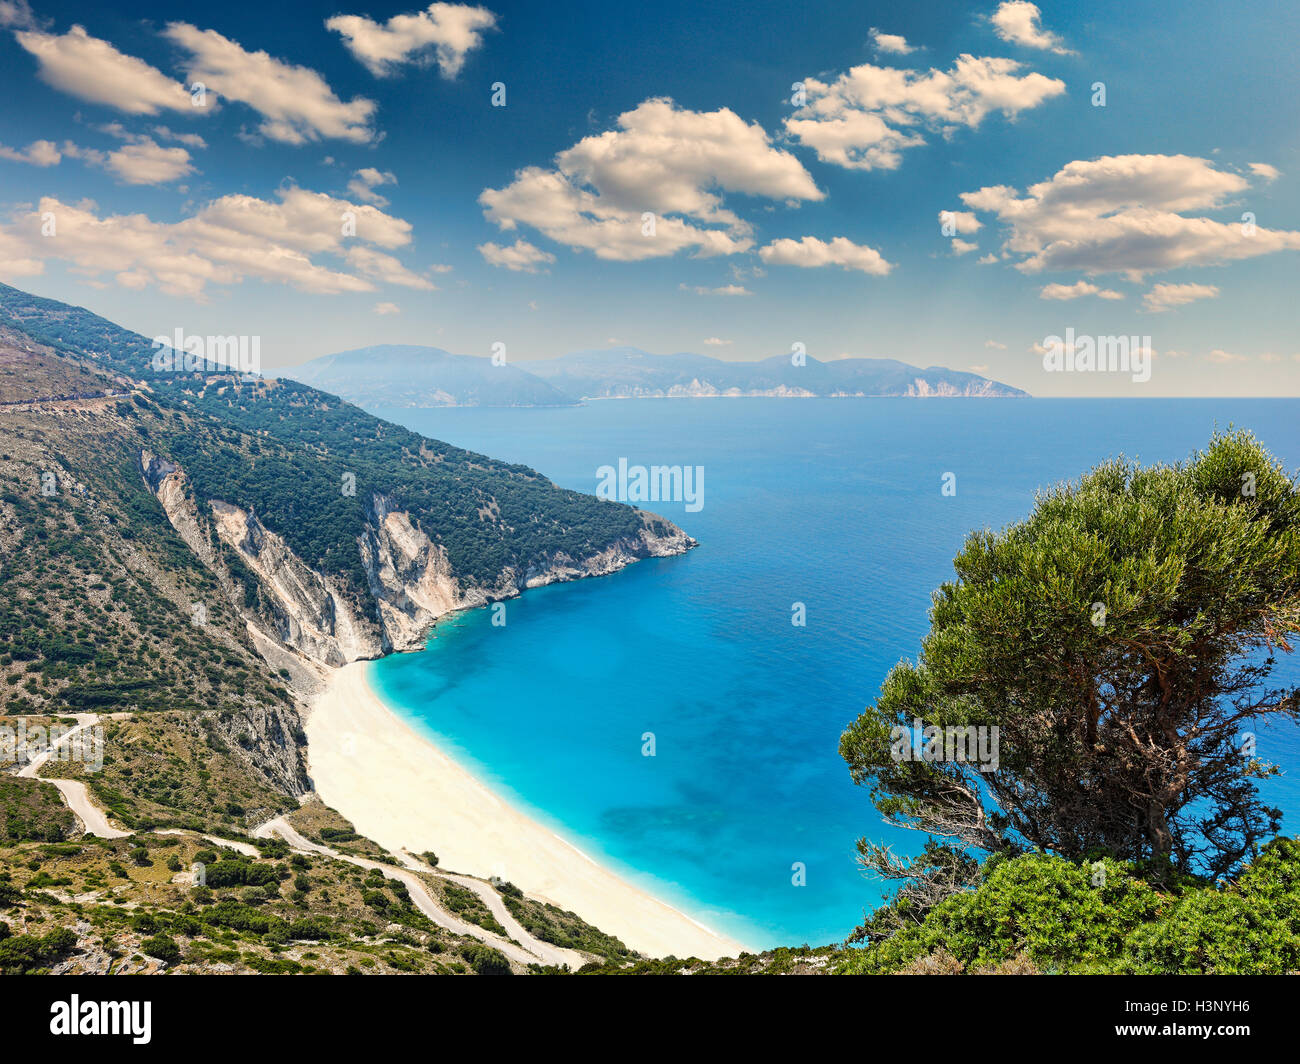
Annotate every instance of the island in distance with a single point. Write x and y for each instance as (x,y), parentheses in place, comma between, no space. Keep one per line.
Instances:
(399,375)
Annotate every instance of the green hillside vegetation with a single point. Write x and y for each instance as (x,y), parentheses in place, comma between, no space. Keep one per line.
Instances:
(228,433)
(126,904)
(99,591)
(202,771)
(31,810)
(1041,914)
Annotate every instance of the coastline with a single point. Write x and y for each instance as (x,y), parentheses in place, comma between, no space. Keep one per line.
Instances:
(398,788)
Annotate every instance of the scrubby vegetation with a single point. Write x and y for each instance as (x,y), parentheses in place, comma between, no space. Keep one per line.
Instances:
(1119,644)
(32,811)
(92,905)
(1038,913)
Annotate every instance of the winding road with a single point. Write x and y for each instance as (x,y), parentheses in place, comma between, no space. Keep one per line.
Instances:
(519,946)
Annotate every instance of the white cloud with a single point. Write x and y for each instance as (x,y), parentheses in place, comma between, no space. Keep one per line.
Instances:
(521,256)
(890,42)
(91,69)
(714,341)
(16,13)
(979,369)
(1017,21)
(1266,171)
(1126,213)
(37,153)
(1224,358)
(445,32)
(866,117)
(1164,297)
(994,344)
(1076,290)
(963,247)
(671,164)
(296,103)
(366,180)
(721,290)
(146,162)
(385,269)
(960,221)
(190,140)
(387,308)
(231,239)
(811,252)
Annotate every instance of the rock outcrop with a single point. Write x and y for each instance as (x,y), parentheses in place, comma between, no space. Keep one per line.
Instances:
(311,616)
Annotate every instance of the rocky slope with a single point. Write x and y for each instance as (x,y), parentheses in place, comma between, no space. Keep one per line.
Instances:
(409,576)
(332,534)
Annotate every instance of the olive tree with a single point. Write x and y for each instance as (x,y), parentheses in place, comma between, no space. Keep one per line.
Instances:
(1121,640)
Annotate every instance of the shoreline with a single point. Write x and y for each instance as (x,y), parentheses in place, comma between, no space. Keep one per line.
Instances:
(398,788)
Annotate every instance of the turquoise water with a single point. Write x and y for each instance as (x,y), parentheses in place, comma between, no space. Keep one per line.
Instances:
(832,503)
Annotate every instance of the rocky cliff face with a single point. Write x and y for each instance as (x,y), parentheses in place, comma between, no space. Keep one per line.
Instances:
(308,616)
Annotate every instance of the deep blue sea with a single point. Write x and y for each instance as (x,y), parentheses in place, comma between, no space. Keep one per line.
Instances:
(833,503)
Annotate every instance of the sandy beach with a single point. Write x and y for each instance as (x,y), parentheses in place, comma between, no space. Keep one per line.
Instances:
(399,789)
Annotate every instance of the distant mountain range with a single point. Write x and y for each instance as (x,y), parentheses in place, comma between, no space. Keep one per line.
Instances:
(405,375)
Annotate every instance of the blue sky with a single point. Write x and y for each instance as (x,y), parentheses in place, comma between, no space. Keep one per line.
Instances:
(777,220)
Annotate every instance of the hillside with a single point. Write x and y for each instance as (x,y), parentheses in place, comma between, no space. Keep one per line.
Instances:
(184,556)
(334,534)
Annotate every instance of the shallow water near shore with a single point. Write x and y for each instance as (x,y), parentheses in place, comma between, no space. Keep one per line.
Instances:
(835,504)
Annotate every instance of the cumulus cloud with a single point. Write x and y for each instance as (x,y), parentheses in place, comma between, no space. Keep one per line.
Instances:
(146,162)
(811,252)
(93,70)
(890,42)
(1224,358)
(959,221)
(865,118)
(387,308)
(1076,290)
(995,345)
(444,33)
(385,268)
(37,153)
(231,239)
(296,103)
(1266,171)
(1164,297)
(653,186)
(1126,213)
(366,180)
(521,256)
(141,161)
(1017,21)
(963,247)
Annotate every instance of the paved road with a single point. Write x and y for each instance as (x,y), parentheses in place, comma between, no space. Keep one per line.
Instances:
(74,792)
(525,949)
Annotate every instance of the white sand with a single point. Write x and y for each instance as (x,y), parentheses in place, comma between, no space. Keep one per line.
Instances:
(399,789)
